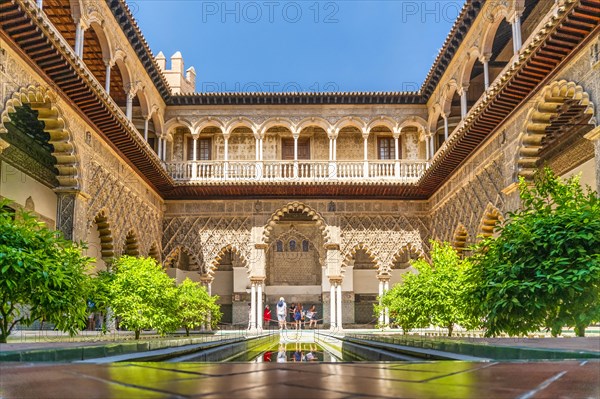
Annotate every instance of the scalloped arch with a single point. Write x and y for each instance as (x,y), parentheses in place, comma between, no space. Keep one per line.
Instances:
(490,219)
(460,238)
(361,247)
(103,225)
(215,262)
(43,101)
(546,109)
(174,254)
(295,206)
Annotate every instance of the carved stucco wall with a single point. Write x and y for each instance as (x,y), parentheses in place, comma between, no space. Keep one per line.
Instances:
(106,181)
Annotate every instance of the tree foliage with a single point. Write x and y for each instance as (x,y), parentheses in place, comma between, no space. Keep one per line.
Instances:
(143,296)
(195,307)
(543,270)
(434,295)
(42,275)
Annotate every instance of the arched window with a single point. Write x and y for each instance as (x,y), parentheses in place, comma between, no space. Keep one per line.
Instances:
(279,246)
(305,246)
(292,245)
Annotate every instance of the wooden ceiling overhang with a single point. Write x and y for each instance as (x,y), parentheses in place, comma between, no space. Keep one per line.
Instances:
(34,36)
(31,34)
(359,190)
(577,21)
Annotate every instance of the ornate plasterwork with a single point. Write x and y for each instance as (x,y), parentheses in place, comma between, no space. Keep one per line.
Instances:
(207,237)
(383,237)
(123,208)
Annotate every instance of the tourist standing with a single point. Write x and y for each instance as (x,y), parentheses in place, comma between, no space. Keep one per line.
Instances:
(298,316)
(311,317)
(267,316)
(281,313)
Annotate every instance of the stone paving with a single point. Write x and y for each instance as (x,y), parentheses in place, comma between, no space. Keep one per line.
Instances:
(566,379)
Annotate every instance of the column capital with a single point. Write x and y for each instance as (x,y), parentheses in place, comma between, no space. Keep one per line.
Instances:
(261,245)
(331,246)
(485,57)
(384,277)
(333,133)
(257,279)
(335,280)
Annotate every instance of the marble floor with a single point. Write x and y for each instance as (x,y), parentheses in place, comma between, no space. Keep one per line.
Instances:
(442,379)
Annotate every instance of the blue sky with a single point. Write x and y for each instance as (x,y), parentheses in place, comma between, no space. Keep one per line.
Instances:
(300,45)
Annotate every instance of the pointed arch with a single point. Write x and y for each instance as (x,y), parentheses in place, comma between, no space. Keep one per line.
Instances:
(43,101)
(460,238)
(491,218)
(544,122)
(298,207)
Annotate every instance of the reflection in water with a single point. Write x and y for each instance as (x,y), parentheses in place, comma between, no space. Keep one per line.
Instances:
(295,352)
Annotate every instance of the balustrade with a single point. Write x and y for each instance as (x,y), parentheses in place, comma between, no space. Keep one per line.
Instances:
(403,171)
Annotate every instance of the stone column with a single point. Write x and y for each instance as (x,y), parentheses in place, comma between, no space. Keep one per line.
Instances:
(397,154)
(39,4)
(386,311)
(146,122)
(366,154)
(129,106)
(463,101)
(445,117)
(432,146)
(159,145)
(295,135)
(252,321)
(332,307)
(380,292)
(486,70)
(194,157)
(226,156)
(79,36)
(515,22)
(427,155)
(107,82)
(338,300)
(259,303)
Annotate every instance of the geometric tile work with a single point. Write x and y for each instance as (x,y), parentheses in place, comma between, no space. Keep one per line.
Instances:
(442,379)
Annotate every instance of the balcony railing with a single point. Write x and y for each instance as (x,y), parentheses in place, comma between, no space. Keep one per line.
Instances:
(403,171)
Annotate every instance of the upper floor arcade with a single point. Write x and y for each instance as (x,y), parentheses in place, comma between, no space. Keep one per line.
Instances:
(493,59)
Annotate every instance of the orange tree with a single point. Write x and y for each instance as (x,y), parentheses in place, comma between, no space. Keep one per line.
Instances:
(543,270)
(42,275)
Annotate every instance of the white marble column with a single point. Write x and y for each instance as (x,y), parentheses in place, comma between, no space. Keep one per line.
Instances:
(39,4)
(146,122)
(386,311)
(259,306)
(431,146)
(107,81)
(295,135)
(78,39)
(338,300)
(427,154)
(252,321)
(397,155)
(129,106)
(159,148)
(515,23)
(380,296)
(332,307)
(463,102)
(486,70)
(226,157)
(366,155)
(194,157)
(445,117)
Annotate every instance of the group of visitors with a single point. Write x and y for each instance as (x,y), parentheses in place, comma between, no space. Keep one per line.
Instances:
(298,315)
